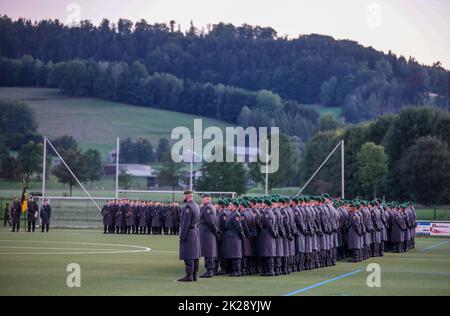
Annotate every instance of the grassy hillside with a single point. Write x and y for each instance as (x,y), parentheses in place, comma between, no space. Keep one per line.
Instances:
(96,123)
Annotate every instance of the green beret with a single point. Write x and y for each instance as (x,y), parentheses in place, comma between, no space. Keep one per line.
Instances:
(268,202)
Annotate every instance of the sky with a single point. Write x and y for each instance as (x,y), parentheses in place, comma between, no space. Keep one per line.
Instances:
(418,28)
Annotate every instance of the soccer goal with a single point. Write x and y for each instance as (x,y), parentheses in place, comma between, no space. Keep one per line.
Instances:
(76,212)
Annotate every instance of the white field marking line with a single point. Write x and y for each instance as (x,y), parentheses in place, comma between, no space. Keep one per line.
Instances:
(80,243)
(433,246)
(141,249)
(415,272)
(412,259)
(56,248)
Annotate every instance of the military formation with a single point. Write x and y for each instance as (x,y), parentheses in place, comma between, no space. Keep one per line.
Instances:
(141,217)
(274,235)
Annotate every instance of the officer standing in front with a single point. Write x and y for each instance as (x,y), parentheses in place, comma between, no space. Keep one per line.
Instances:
(208,231)
(46,213)
(189,237)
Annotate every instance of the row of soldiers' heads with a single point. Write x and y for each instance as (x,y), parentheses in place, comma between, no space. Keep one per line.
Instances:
(140,202)
(277,201)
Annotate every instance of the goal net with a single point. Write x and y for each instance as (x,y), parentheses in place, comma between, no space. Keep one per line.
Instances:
(75,212)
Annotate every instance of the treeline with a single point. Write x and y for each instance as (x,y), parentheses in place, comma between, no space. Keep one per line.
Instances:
(404,156)
(118,81)
(308,69)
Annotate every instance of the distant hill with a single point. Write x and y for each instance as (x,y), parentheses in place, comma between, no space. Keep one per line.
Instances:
(310,69)
(96,123)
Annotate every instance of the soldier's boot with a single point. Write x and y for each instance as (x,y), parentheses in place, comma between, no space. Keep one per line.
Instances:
(321,257)
(354,255)
(306,264)
(310,261)
(293,264)
(300,262)
(268,266)
(195,272)
(257,265)
(215,266)
(276,266)
(209,266)
(236,263)
(284,263)
(316,259)
(189,268)
(223,267)
(244,266)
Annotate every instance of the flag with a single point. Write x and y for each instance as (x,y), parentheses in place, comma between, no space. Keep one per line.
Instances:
(24,200)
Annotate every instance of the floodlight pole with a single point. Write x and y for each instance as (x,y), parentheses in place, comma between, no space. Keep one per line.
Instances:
(267,167)
(192,164)
(117,167)
(44,163)
(342,171)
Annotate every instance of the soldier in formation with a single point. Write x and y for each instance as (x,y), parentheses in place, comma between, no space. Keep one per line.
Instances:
(124,216)
(275,235)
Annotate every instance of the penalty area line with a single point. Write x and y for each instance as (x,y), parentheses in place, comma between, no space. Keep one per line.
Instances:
(433,246)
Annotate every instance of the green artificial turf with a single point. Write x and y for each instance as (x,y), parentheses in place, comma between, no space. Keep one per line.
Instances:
(35,264)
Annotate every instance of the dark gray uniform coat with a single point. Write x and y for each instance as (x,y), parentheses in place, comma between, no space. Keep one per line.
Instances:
(232,237)
(355,240)
(46,213)
(208,231)
(189,236)
(266,241)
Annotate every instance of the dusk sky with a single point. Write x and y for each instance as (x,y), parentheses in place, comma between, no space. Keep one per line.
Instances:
(418,28)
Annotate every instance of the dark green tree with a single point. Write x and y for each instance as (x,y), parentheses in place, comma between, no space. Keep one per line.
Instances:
(65,142)
(75,162)
(30,158)
(372,166)
(170,173)
(425,171)
(92,165)
(222,176)
(163,149)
